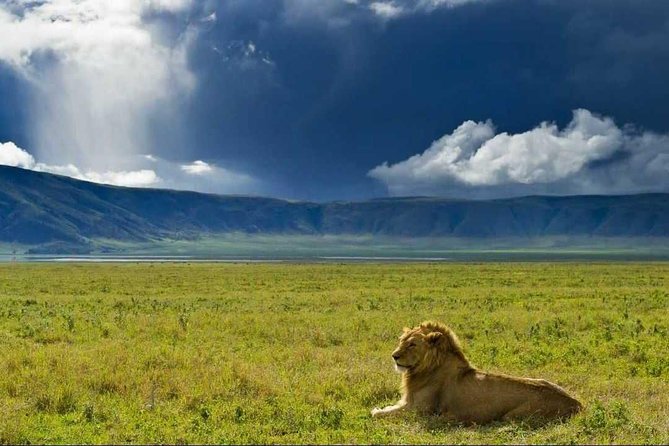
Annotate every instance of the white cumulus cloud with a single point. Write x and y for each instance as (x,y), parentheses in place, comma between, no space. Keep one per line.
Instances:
(590,155)
(397,8)
(386,10)
(135,178)
(431,4)
(11,155)
(198,167)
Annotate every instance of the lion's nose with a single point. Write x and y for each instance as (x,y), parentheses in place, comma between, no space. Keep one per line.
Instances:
(396,356)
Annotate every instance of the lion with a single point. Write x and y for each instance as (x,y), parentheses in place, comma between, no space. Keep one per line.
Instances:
(437,378)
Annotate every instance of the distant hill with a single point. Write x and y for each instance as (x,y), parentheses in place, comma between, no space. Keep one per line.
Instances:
(38,208)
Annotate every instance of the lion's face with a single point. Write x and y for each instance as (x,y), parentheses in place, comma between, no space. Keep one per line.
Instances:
(410,351)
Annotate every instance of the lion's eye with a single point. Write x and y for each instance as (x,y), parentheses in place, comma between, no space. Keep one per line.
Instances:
(413,344)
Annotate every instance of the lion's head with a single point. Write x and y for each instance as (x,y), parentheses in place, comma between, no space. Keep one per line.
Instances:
(425,347)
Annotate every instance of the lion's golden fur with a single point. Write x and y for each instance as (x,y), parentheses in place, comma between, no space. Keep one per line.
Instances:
(437,378)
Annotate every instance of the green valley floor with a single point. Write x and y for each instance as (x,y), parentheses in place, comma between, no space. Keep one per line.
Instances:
(300,353)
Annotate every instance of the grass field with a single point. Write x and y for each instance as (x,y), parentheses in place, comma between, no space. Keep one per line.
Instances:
(300,353)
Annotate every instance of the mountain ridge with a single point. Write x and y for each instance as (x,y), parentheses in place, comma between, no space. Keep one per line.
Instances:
(37,208)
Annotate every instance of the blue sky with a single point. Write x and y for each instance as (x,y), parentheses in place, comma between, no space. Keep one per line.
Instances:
(340,99)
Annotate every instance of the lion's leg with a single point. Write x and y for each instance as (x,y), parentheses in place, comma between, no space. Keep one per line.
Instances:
(389,410)
(547,410)
(517,412)
(524,411)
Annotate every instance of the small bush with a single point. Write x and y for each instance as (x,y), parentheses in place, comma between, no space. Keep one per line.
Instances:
(331,417)
(605,418)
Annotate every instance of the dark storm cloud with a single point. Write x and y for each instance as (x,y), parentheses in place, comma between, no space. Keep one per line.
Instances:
(12,111)
(309,96)
(619,56)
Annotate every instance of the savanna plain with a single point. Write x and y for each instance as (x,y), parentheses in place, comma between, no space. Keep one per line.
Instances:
(300,353)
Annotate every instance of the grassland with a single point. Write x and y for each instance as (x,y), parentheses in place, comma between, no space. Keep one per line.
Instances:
(300,353)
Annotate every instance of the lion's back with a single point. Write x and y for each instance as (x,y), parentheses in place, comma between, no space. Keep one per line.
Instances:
(485,397)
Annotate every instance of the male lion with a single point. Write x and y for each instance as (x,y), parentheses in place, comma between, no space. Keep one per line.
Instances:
(438,379)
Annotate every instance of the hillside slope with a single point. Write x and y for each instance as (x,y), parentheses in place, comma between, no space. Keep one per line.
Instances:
(39,208)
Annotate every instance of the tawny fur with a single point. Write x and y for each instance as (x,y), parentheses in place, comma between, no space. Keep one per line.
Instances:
(437,378)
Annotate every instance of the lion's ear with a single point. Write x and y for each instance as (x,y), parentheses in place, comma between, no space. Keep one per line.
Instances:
(434,338)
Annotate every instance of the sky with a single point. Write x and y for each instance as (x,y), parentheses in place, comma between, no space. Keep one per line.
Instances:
(340,99)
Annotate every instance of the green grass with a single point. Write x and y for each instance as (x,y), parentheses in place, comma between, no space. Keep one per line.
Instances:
(298,353)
